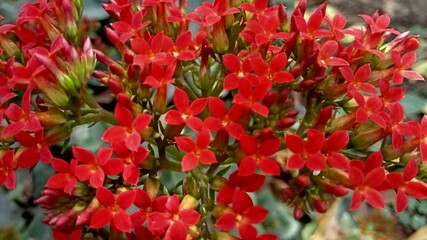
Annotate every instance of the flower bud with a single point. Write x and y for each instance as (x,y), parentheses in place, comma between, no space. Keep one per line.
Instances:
(320,205)
(151,187)
(303,180)
(85,216)
(218,182)
(188,202)
(285,123)
(289,194)
(298,212)
(367,134)
(189,187)
(220,38)
(52,117)
(283,18)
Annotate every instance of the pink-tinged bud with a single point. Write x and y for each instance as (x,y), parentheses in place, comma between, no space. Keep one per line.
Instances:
(309,59)
(296,71)
(218,182)
(269,99)
(220,38)
(411,43)
(282,97)
(71,30)
(54,92)
(306,84)
(285,123)
(389,153)
(283,18)
(367,134)
(121,47)
(151,187)
(85,216)
(162,24)
(221,140)
(344,122)
(289,194)
(159,104)
(336,190)
(303,180)
(323,117)
(320,205)
(298,212)
(52,117)
(264,134)
(292,114)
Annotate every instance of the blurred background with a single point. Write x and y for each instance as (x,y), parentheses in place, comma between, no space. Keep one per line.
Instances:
(20,218)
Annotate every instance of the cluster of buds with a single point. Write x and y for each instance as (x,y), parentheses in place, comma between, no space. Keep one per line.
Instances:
(257,94)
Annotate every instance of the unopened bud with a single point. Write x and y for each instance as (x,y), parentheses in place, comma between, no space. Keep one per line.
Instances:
(218,182)
(151,187)
(298,212)
(303,180)
(188,202)
(319,205)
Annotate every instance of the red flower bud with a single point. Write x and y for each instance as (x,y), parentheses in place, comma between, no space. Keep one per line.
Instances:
(303,180)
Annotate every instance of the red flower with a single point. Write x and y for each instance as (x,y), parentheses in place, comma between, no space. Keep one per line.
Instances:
(306,153)
(196,151)
(35,149)
(160,77)
(243,212)
(401,64)
(212,13)
(263,30)
(248,97)
(237,70)
(407,184)
(114,211)
(186,112)
(7,170)
(366,178)
(156,52)
(177,218)
(220,119)
(95,168)
(130,29)
(143,202)
(325,57)
(23,118)
(129,131)
(357,80)
(65,178)
(182,43)
(274,70)
(258,155)
(369,108)
(131,161)
(251,183)
(249,232)
(335,142)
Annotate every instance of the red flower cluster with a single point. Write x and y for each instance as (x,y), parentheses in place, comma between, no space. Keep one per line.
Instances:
(256,92)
